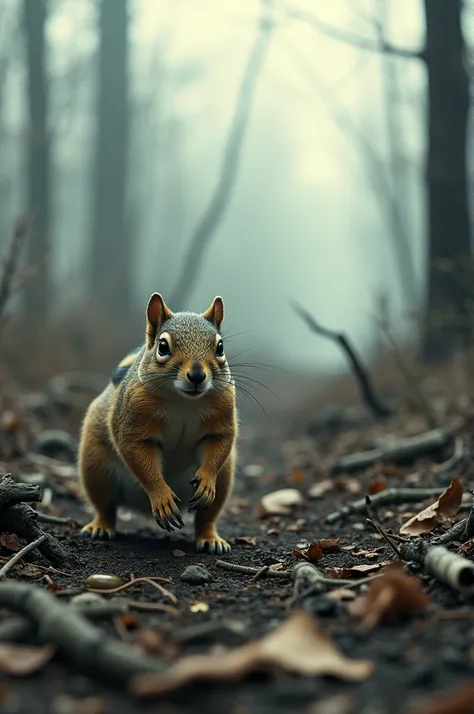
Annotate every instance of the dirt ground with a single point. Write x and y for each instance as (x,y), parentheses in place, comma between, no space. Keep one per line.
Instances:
(413,659)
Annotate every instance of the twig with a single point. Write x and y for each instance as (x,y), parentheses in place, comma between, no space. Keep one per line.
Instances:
(59,520)
(454,533)
(210,220)
(459,454)
(69,629)
(378,529)
(309,580)
(377,44)
(137,581)
(262,572)
(369,396)
(398,450)
(388,497)
(18,556)
(469,529)
(248,570)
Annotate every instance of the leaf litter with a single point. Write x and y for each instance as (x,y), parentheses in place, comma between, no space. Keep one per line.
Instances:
(297,646)
(444,508)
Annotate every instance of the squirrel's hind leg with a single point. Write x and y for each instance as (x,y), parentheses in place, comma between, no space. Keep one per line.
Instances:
(207,537)
(97,482)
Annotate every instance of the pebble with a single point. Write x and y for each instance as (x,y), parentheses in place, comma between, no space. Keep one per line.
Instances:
(103,581)
(86,599)
(196,574)
(253,471)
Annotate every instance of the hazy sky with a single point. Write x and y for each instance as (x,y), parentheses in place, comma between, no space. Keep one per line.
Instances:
(304,221)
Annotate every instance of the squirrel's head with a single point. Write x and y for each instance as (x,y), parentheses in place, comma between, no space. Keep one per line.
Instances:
(185,351)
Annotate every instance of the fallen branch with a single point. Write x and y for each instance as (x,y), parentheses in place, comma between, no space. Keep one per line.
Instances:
(249,570)
(450,568)
(18,556)
(71,632)
(369,396)
(21,519)
(388,497)
(398,450)
(13,492)
(309,580)
(20,629)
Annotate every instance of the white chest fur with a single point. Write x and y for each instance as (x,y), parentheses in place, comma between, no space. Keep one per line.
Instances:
(183,429)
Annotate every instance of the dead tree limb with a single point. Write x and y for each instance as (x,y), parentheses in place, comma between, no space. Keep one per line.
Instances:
(369,396)
(450,568)
(214,213)
(398,450)
(72,633)
(388,497)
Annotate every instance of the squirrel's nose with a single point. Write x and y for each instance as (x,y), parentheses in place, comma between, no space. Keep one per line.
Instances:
(196,375)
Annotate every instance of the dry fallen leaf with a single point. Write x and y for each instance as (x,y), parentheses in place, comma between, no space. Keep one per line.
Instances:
(9,541)
(280,503)
(178,553)
(452,702)
(23,660)
(445,507)
(317,548)
(297,646)
(390,598)
(377,486)
(318,490)
(244,540)
(356,571)
(367,553)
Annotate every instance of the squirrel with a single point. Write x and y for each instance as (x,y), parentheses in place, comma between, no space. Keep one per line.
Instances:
(164,430)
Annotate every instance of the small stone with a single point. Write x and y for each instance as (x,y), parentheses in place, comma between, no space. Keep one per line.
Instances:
(178,553)
(253,471)
(103,581)
(195,574)
(86,599)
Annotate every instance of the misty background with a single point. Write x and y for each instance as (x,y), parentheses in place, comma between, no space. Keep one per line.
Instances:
(339,176)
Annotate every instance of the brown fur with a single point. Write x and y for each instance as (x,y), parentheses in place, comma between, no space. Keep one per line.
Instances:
(130,422)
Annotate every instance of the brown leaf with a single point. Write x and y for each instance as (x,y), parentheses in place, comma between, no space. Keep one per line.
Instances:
(356,571)
(317,548)
(377,486)
(390,598)
(244,540)
(367,553)
(318,490)
(31,571)
(444,507)
(280,502)
(457,702)
(178,553)
(9,541)
(23,660)
(297,646)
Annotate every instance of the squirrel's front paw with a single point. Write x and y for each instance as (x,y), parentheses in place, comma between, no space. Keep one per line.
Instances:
(166,511)
(205,492)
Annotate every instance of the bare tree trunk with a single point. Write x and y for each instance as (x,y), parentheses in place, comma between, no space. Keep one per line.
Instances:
(36,291)
(448,325)
(111,279)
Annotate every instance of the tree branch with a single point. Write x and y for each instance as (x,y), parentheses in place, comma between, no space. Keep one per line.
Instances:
(369,396)
(212,217)
(377,45)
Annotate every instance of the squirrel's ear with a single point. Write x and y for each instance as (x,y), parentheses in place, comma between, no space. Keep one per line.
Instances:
(215,313)
(157,312)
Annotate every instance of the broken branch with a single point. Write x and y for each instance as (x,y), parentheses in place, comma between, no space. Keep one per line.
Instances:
(388,497)
(369,396)
(398,450)
(248,570)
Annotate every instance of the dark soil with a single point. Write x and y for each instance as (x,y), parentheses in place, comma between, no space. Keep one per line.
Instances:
(413,659)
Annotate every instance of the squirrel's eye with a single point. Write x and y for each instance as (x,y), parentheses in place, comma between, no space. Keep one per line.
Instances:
(163,348)
(220,349)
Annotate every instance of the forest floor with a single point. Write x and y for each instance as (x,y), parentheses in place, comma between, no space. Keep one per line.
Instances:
(401,664)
